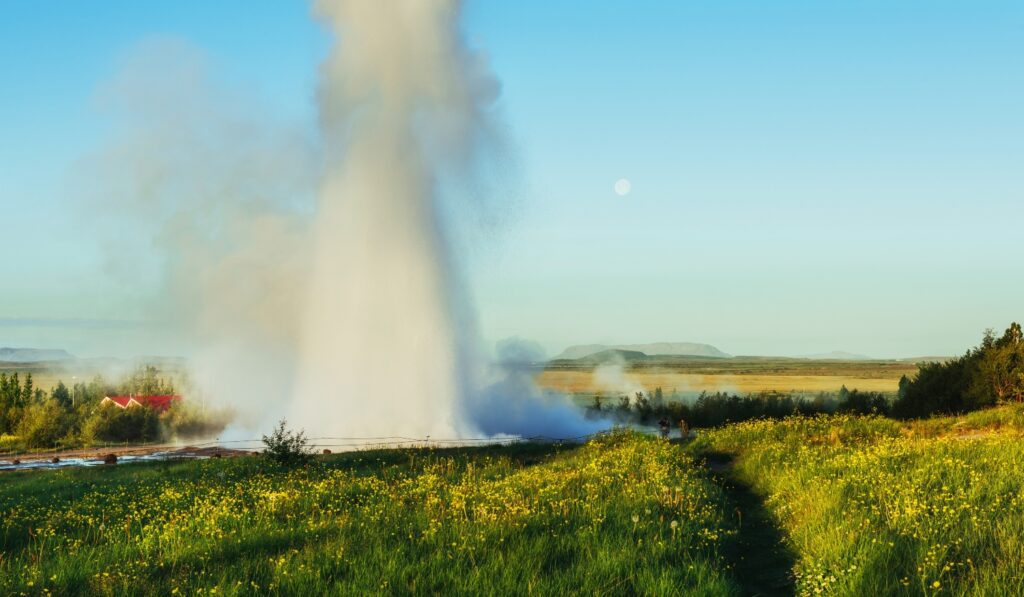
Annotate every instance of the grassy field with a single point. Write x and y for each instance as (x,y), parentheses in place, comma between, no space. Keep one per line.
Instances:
(870,506)
(622,514)
(739,375)
(585,382)
(839,505)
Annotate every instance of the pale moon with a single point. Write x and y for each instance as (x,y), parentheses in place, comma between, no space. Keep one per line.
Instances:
(623,187)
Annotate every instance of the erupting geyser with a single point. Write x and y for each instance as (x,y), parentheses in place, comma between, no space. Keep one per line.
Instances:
(356,311)
(401,99)
(386,348)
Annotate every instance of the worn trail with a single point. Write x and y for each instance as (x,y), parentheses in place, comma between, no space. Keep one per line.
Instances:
(762,561)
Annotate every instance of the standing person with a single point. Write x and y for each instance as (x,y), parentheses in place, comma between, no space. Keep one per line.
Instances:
(684,429)
(663,424)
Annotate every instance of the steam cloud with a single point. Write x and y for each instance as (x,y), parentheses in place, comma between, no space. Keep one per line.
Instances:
(513,405)
(351,303)
(610,377)
(388,348)
(202,200)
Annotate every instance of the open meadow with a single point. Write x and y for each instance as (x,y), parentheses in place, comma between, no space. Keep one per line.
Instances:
(585,382)
(870,506)
(735,376)
(837,504)
(622,514)
(456,297)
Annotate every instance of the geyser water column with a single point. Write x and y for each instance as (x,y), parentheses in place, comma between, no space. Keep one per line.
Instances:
(401,98)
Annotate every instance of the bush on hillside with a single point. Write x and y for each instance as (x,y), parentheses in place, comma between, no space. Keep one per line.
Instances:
(286,447)
(862,403)
(719,408)
(44,424)
(109,423)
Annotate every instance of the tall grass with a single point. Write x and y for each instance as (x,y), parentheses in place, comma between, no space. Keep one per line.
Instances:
(874,507)
(622,514)
(867,506)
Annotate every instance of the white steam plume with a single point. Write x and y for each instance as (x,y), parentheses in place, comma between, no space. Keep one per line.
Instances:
(610,377)
(512,405)
(202,200)
(381,355)
(353,307)
(388,348)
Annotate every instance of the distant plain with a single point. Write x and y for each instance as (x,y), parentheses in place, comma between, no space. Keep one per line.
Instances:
(741,375)
(738,375)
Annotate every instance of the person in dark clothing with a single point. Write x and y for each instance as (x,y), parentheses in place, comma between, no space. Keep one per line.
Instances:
(663,424)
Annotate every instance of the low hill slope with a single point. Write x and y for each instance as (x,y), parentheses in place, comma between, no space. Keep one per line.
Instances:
(656,348)
(33,355)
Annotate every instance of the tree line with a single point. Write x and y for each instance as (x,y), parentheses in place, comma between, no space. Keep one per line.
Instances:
(713,409)
(987,375)
(32,418)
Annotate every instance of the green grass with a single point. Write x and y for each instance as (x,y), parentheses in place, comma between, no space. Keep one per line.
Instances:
(623,514)
(871,506)
(837,505)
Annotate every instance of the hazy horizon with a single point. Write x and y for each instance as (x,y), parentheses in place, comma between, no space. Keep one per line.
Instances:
(120,336)
(804,178)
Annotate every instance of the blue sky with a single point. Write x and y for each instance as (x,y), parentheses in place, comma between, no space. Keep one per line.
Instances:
(807,176)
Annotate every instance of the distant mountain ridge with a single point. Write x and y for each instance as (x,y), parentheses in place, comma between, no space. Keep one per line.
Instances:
(612,355)
(33,355)
(690,349)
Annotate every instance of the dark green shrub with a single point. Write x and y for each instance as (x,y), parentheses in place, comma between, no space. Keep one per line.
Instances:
(286,447)
(109,423)
(990,374)
(44,424)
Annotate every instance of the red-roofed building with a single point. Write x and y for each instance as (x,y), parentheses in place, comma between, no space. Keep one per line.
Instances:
(157,403)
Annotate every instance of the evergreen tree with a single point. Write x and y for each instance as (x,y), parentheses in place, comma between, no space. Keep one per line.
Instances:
(987,375)
(14,390)
(61,395)
(1000,367)
(658,399)
(902,391)
(27,392)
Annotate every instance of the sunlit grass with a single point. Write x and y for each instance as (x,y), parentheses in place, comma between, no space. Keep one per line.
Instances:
(622,514)
(867,506)
(875,507)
